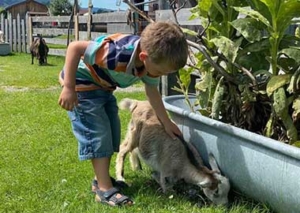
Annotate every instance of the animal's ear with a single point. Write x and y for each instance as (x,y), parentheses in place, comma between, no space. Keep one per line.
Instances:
(213,163)
(205,183)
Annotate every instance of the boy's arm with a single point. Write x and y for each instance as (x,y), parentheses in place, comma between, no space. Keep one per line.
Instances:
(155,100)
(68,96)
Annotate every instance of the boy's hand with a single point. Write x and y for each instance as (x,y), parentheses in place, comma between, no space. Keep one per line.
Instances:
(68,98)
(172,130)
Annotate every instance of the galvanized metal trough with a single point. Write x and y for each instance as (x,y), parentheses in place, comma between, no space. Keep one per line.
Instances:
(261,168)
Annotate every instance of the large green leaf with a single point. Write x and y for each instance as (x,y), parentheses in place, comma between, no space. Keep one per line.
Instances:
(276,82)
(189,32)
(296,108)
(293,53)
(272,5)
(227,47)
(185,76)
(289,9)
(254,14)
(259,46)
(246,60)
(280,106)
(205,82)
(249,28)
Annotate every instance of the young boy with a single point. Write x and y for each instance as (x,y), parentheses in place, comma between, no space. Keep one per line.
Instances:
(93,70)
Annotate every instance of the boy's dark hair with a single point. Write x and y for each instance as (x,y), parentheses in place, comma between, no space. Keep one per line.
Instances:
(165,43)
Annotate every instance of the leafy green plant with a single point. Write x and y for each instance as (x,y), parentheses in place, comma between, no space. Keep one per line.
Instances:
(248,65)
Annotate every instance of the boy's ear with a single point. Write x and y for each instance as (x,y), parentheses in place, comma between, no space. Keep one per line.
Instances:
(143,56)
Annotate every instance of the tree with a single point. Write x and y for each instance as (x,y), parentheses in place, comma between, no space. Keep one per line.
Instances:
(60,7)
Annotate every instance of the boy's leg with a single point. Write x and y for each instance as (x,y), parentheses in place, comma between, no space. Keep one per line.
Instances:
(101,169)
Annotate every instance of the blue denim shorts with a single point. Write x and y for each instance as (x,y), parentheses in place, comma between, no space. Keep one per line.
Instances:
(96,124)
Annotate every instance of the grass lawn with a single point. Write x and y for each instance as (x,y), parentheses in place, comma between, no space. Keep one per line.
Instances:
(39,168)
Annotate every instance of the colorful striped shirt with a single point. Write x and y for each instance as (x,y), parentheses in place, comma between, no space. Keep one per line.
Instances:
(109,62)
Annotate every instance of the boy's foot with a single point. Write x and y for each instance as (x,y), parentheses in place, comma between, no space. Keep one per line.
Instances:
(116,183)
(113,197)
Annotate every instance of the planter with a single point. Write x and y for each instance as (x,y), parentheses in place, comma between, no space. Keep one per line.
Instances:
(264,169)
(4,48)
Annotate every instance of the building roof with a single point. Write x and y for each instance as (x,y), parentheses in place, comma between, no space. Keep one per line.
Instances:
(21,2)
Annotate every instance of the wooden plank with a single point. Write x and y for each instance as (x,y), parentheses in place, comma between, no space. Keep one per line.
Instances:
(50,31)
(6,30)
(14,27)
(56,41)
(50,18)
(2,22)
(29,31)
(182,16)
(19,43)
(10,33)
(119,28)
(23,36)
(115,17)
(58,52)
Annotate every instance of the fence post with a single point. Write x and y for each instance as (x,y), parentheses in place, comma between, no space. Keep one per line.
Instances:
(6,29)
(89,21)
(14,27)
(19,33)
(24,49)
(76,27)
(2,22)
(29,30)
(10,31)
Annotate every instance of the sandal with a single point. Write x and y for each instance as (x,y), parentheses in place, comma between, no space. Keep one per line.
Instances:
(116,183)
(110,197)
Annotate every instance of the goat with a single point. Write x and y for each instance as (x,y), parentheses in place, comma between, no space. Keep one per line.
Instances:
(168,158)
(1,37)
(39,49)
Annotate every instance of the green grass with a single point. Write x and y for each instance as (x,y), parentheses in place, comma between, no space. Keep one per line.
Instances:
(39,168)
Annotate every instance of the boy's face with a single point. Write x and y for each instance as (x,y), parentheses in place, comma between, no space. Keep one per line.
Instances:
(156,70)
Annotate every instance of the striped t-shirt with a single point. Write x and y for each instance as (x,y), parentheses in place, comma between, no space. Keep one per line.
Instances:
(108,62)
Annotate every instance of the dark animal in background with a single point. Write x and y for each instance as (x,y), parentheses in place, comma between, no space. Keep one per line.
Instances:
(39,49)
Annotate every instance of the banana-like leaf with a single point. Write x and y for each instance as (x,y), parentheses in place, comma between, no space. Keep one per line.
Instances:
(204,88)
(227,47)
(254,14)
(288,10)
(269,126)
(293,53)
(189,32)
(259,46)
(276,82)
(246,60)
(249,28)
(217,100)
(185,76)
(279,104)
(281,108)
(293,86)
(205,82)
(296,108)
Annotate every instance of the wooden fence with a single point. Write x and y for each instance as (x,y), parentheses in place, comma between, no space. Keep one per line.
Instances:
(19,33)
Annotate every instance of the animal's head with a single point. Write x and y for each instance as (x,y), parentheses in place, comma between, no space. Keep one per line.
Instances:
(40,49)
(218,189)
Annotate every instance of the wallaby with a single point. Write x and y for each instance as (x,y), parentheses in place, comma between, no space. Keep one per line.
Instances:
(168,158)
